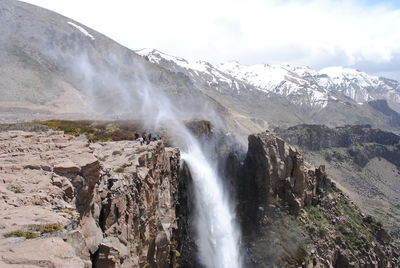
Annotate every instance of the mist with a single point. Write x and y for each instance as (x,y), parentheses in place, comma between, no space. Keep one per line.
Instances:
(112,92)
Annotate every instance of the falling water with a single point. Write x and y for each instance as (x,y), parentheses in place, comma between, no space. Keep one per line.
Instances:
(217,234)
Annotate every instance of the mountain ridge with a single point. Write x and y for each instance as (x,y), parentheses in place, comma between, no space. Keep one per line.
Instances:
(290,80)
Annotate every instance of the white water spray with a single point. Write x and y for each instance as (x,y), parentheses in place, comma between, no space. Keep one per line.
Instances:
(217,234)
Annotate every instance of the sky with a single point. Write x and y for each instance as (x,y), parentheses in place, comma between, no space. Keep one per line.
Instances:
(362,34)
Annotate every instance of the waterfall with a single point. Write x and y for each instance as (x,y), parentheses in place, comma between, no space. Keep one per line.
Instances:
(217,235)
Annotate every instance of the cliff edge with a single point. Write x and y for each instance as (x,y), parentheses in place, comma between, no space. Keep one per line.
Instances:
(65,202)
(294,215)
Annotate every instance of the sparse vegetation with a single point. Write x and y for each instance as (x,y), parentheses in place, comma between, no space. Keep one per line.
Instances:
(96,131)
(34,231)
(67,211)
(16,189)
(301,253)
(119,170)
(29,234)
(46,228)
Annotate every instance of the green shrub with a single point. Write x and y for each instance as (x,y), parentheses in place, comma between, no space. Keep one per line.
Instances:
(119,170)
(29,234)
(47,228)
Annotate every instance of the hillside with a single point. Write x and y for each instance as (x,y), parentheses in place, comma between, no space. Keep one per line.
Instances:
(285,95)
(54,67)
(81,191)
(365,163)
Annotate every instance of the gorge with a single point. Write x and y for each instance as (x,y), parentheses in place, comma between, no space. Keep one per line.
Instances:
(234,182)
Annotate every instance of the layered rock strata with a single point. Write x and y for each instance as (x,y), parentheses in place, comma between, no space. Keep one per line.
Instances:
(67,203)
(293,214)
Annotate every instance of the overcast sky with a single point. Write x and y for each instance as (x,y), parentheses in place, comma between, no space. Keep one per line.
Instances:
(360,33)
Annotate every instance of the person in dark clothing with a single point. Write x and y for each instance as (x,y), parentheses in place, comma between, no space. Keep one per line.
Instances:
(149,138)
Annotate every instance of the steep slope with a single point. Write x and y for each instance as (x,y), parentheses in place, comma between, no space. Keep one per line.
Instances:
(68,203)
(365,162)
(294,215)
(358,85)
(53,64)
(54,67)
(288,94)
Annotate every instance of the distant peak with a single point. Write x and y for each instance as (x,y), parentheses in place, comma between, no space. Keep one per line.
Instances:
(147,51)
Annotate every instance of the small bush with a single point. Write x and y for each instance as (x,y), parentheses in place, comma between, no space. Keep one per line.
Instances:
(29,234)
(47,228)
(33,231)
(67,211)
(16,189)
(301,253)
(116,153)
(119,170)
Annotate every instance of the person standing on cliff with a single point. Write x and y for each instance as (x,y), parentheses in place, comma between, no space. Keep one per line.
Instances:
(141,140)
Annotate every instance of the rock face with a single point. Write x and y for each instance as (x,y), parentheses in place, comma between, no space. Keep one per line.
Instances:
(365,162)
(138,194)
(293,215)
(317,137)
(67,203)
(278,169)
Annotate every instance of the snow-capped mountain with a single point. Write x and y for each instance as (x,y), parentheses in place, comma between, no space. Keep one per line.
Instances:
(358,85)
(302,86)
(296,83)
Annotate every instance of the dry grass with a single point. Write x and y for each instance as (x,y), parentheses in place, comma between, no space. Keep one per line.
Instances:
(96,131)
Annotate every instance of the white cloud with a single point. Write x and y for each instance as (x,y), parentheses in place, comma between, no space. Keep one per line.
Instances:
(316,33)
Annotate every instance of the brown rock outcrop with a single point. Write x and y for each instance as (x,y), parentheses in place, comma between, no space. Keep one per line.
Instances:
(293,215)
(138,194)
(67,203)
(278,169)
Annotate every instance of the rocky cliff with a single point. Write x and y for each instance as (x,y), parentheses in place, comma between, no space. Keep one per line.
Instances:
(293,214)
(365,163)
(67,203)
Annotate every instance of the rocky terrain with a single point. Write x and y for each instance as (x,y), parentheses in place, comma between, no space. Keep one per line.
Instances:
(68,203)
(86,194)
(287,95)
(52,67)
(294,215)
(364,162)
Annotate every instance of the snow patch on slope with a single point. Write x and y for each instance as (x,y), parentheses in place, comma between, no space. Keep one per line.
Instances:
(81,29)
(299,84)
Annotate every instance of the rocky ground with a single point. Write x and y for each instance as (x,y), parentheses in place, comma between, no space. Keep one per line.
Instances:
(293,214)
(67,203)
(364,162)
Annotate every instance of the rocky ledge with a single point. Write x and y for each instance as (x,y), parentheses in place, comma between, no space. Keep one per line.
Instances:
(293,214)
(65,202)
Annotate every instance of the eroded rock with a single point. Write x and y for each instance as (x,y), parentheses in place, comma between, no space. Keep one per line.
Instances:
(64,203)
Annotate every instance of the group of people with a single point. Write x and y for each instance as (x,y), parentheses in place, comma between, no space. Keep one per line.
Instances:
(146,138)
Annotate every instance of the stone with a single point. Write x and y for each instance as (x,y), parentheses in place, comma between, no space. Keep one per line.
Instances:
(108,218)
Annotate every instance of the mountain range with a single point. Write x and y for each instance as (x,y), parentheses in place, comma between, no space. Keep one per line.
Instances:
(96,203)
(308,91)
(299,84)
(52,66)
